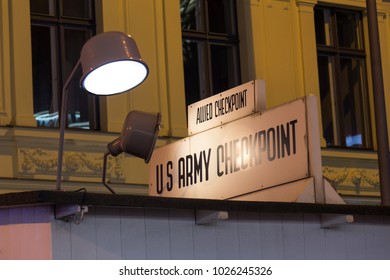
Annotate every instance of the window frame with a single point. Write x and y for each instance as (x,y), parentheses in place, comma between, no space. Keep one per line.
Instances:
(207,39)
(337,53)
(60,23)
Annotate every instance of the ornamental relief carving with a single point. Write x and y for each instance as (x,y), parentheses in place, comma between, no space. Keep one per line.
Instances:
(356,179)
(39,161)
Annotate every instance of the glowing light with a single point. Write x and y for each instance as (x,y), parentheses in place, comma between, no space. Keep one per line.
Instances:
(115,77)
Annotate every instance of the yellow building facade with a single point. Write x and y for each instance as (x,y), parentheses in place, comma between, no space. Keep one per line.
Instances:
(277,44)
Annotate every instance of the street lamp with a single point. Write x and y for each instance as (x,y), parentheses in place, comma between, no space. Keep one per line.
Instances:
(111,64)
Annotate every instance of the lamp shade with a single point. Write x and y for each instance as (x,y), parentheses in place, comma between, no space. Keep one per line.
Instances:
(111,64)
(138,135)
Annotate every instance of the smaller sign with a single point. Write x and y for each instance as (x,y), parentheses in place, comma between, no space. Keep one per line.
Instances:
(226,106)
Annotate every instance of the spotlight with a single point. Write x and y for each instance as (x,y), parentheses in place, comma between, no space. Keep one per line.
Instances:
(138,138)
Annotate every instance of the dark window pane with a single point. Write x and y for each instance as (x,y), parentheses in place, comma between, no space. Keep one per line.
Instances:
(78,108)
(324,32)
(221,16)
(347,30)
(223,67)
(74,40)
(351,99)
(44,7)
(77,9)
(192,54)
(45,77)
(192,15)
(326,99)
(320,26)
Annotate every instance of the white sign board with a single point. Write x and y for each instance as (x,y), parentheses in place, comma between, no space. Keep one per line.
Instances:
(226,106)
(255,152)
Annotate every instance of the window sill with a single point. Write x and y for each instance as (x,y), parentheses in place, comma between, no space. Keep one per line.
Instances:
(349,153)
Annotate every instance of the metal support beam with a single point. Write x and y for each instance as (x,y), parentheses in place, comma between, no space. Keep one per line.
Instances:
(379,103)
(334,220)
(70,212)
(204,217)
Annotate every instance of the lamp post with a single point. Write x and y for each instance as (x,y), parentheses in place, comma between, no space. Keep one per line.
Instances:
(111,64)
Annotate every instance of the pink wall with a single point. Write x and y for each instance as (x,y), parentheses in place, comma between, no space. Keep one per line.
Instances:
(25,233)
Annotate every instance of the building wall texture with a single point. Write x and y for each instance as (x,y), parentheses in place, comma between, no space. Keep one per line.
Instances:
(147,233)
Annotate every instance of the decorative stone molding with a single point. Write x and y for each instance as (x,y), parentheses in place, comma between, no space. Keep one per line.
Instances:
(356,180)
(33,162)
(36,160)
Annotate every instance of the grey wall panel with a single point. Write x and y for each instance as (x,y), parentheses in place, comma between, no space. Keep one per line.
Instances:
(205,241)
(157,234)
(108,233)
(42,214)
(335,243)
(249,235)
(133,233)
(271,235)
(83,238)
(61,240)
(146,233)
(355,239)
(227,238)
(181,234)
(293,236)
(377,238)
(15,215)
(4,216)
(314,237)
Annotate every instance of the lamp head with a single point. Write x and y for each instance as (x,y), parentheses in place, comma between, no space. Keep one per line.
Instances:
(138,136)
(111,64)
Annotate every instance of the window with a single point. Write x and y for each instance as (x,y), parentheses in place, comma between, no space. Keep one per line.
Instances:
(210,47)
(59,29)
(342,75)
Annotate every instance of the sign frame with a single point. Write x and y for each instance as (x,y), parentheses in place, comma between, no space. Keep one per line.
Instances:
(227,106)
(208,164)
